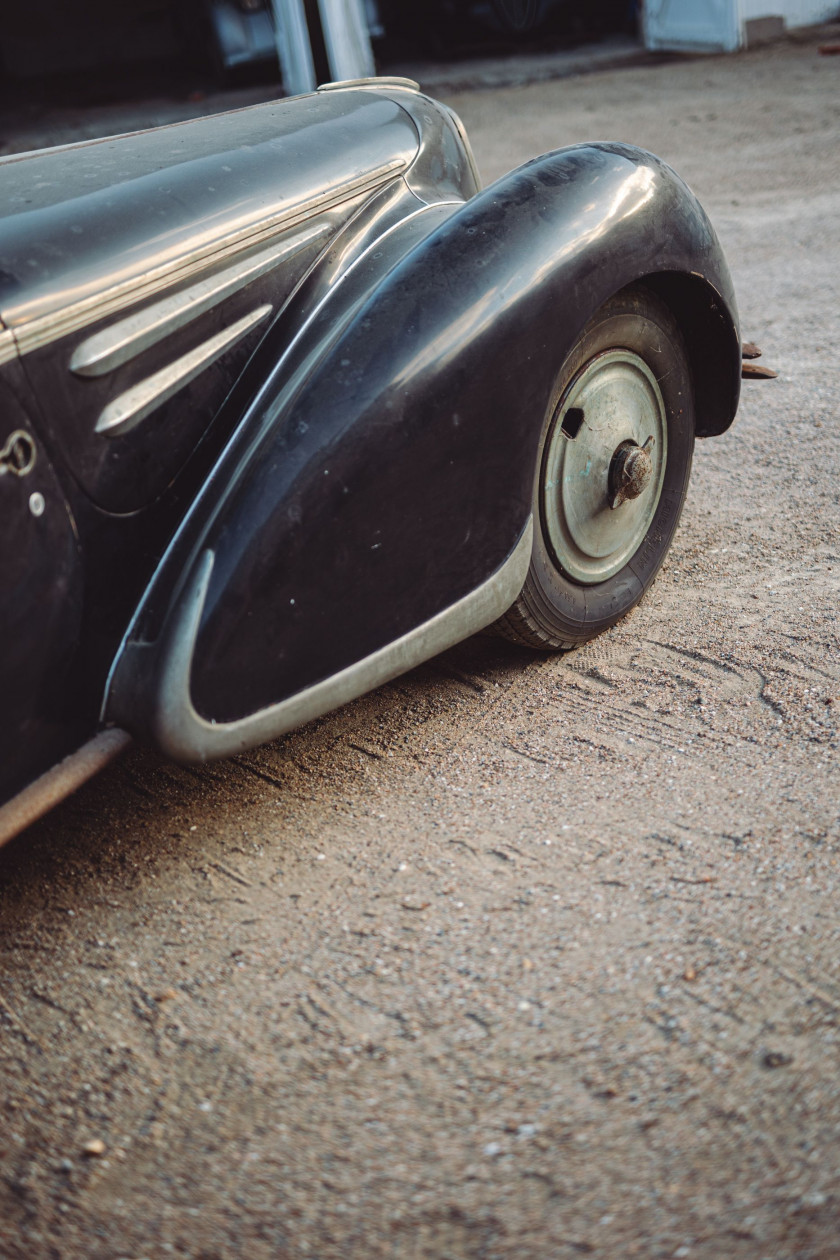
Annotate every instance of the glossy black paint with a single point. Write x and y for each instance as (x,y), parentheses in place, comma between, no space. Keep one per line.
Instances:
(41,584)
(87,218)
(358,464)
(396,474)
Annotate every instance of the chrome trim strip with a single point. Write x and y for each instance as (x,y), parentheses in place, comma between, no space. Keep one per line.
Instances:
(42,330)
(467,147)
(376,81)
(185,735)
(62,780)
(125,412)
(121,342)
(8,349)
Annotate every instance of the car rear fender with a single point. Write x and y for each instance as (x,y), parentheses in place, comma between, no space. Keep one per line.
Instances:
(374,505)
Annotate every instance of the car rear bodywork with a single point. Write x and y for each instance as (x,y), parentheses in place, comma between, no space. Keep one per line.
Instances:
(284,372)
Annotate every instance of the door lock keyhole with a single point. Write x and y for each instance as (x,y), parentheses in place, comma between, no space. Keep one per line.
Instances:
(18,455)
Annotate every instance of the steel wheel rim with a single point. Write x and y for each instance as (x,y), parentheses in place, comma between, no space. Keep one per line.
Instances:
(614,403)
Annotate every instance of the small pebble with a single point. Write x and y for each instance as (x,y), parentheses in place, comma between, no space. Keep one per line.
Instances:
(776,1059)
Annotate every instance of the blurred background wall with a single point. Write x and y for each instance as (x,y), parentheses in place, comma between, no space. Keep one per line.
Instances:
(226,39)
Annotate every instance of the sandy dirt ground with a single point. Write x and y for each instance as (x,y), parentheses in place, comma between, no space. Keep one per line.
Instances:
(520,956)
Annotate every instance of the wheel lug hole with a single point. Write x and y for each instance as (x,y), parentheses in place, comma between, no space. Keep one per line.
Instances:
(572,422)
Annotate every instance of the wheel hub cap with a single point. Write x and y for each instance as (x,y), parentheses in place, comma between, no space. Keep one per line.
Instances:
(631,472)
(603,466)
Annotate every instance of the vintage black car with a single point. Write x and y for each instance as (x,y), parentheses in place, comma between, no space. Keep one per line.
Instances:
(290,405)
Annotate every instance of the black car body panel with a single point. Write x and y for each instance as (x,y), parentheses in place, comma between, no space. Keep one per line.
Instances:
(96,229)
(287,371)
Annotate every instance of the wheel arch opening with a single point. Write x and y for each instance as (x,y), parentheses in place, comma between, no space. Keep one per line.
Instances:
(713,345)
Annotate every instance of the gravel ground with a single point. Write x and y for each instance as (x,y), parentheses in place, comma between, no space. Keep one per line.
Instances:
(520,956)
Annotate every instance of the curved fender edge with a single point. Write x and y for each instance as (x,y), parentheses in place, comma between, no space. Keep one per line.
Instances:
(184,735)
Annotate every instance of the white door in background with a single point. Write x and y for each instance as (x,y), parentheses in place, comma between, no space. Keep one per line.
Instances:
(795,12)
(693,25)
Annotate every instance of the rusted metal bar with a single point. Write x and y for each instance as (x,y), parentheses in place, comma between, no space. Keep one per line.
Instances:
(64,779)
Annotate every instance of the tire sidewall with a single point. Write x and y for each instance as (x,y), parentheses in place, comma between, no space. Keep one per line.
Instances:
(637,321)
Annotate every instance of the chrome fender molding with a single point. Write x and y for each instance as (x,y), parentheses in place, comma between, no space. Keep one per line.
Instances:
(8,348)
(183,734)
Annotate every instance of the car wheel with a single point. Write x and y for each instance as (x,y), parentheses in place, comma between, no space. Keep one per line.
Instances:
(613,471)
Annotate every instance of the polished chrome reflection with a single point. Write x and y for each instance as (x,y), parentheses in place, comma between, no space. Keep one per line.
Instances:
(8,349)
(72,316)
(114,346)
(126,412)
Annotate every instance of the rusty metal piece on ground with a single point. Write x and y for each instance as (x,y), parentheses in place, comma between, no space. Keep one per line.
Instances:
(630,471)
(754,372)
(64,779)
(749,350)
(829,50)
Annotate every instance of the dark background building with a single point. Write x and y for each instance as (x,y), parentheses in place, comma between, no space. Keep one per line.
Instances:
(57,40)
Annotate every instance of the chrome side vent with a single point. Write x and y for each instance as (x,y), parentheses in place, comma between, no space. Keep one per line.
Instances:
(126,412)
(125,340)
